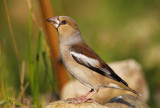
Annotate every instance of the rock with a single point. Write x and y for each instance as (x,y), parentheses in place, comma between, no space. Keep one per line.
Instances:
(126,101)
(65,104)
(123,101)
(129,70)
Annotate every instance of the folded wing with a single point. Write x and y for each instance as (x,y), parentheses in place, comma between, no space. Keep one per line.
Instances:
(88,58)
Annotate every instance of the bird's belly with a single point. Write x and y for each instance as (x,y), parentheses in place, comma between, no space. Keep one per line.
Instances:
(78,72)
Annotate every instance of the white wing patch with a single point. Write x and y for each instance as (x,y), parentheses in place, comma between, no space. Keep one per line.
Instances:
(119,97)
(114,86)
(85,60)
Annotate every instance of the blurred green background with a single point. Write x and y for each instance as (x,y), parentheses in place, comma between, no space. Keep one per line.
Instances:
(115,29)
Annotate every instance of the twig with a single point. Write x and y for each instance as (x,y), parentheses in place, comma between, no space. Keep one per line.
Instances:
(52,39)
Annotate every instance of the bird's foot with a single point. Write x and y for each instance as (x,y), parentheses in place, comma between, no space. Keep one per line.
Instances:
(71,99)
(76,99)
(82,100)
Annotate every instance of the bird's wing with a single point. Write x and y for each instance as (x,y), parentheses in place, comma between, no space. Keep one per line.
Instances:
(85,56)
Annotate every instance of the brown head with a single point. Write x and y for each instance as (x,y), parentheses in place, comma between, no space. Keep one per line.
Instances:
(65,26)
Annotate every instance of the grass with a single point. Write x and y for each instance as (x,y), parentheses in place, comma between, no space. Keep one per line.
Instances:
(2,80)
(12,35)
(4,98)
(33,64)
(33,81)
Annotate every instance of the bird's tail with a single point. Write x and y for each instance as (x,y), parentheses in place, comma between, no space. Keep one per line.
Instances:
(133,91)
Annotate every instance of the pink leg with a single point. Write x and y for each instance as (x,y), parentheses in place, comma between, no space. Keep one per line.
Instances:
(79,98)
(85,98)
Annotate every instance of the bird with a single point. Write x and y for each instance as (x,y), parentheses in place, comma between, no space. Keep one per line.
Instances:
(82,62)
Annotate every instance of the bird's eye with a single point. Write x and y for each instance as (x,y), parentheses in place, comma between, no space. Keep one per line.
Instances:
(64,22)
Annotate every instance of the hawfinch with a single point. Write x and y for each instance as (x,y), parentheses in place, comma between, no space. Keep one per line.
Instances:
(82,62)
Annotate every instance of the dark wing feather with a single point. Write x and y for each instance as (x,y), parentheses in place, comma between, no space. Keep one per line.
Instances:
(82,55)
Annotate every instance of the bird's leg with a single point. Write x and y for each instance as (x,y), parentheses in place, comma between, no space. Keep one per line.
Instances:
(89,95)
(85,98)
(79,98)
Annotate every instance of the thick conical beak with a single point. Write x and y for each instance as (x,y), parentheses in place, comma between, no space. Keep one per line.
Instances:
(54,21)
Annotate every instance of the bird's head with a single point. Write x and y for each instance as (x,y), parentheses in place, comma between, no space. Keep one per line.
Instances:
(65,26)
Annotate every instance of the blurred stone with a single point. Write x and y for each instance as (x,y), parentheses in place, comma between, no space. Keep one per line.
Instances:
(123,101)
(65,104)
(126,101)
(129,70)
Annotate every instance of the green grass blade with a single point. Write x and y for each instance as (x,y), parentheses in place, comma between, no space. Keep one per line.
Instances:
(2,76)
(30,54)
(36,71)
(48,72)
